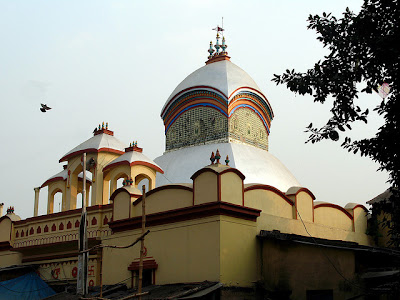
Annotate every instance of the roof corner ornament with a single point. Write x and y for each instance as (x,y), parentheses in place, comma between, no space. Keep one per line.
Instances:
(211,50)
(227,160)
(212,158)
(217,156)
(217,46)
(224,46)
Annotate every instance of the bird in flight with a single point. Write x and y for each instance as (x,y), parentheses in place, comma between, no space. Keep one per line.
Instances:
(44,107)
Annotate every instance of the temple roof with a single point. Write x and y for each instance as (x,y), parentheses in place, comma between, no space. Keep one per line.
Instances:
(133,158)
(224,76)
(103,141)
(63,175)
(257,165)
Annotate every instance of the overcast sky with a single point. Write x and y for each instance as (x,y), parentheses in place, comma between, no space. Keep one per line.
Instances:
(118,62)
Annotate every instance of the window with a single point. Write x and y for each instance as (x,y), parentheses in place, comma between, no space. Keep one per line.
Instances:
(147,275)
(149,272)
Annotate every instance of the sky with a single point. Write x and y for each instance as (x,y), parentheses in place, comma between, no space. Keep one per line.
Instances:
(118,62)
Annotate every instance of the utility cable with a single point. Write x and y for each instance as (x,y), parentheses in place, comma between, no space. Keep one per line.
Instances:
(117,247)
(326,256)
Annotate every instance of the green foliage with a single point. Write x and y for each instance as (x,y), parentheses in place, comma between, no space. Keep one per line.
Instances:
(362,48)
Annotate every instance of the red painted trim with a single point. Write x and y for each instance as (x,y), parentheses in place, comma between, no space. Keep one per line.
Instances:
(305,190)
(257,107)
(193,192)
(103,130)
(172,114)
(62,245)
(147,264)
(219,187)
(188,89)
(206,169)
(217,58)
(334,206)
(47,182)
(150,165)
(234,170)
(269,188)
(64,213)
(259,92)
(242,193)
(137,162)
(90,150)
(134,148)
(52,180)
(164,187)
(313,213)
(5,216)
(121,190)
(361,206)
(188,213)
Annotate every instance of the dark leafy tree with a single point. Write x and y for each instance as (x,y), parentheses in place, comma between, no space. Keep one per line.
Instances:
(363,48)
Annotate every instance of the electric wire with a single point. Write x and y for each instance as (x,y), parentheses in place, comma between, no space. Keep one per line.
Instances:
(326,256)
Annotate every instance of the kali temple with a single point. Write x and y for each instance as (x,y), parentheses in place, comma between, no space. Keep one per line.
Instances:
(219,206)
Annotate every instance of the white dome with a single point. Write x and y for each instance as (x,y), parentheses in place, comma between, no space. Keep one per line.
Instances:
(99,142)
(223,75)
(259,166)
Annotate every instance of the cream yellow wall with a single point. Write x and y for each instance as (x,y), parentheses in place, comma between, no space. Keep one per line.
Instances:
(62,270)
(66,234)
(122,206)
(114,174)
(305,205)
(10,258)
(53,188)
(103,159)
(269,202)
(231,188)
(187,251)
(5,229)
(205,188)
(238,252)
(144,170)
(329,222)
(332,217)
(164,200)
(74,164)
(360,220)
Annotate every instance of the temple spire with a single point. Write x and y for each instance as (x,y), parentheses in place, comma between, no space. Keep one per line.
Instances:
(218,51)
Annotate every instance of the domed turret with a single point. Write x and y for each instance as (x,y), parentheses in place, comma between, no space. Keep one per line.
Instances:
(217,103)
(219,106)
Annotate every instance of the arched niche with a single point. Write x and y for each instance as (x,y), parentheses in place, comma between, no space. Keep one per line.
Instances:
(54,188)
(115,181)
(75,183)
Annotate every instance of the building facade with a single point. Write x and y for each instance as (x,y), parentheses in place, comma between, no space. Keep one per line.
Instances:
(219,206)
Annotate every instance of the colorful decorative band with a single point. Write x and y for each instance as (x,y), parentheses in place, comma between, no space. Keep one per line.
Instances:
(253,97)
(253,109)
(167,126)
(191,96)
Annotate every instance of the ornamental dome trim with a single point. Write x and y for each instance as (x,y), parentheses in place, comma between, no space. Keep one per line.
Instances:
(62,176)
(223,77)
(133,158)
(102,142)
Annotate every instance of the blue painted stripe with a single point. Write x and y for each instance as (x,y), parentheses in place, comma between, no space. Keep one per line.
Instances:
(253,109)
(192,106)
